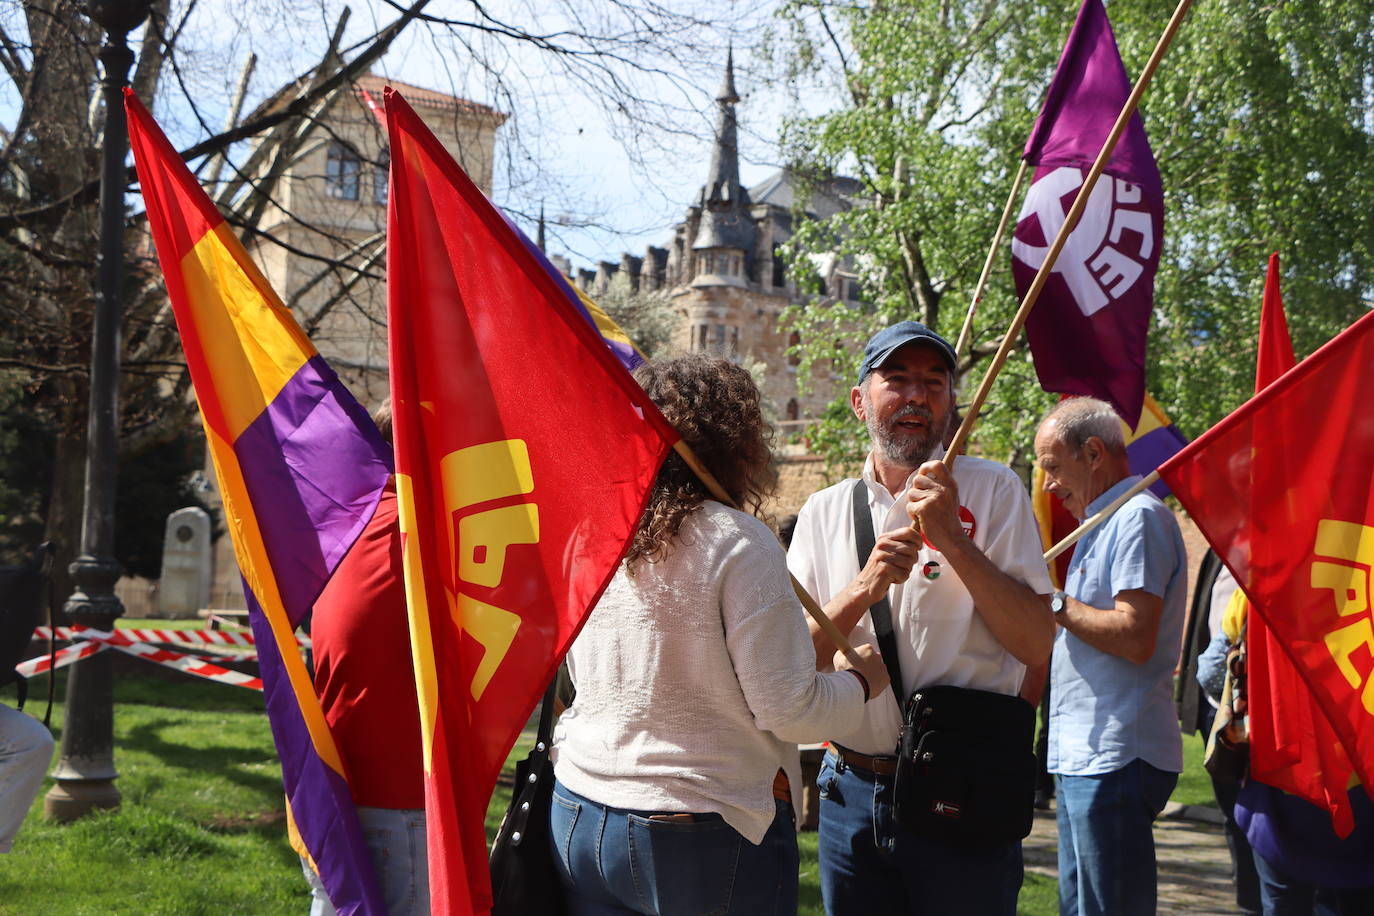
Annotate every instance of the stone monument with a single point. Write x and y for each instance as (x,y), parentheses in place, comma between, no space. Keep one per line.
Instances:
(185,586)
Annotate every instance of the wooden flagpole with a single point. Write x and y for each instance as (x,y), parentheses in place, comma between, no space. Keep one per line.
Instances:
(967,330)
(1070,223)
(825,623)
(1100,516)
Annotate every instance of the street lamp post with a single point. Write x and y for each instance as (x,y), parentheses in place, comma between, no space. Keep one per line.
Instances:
(85,772)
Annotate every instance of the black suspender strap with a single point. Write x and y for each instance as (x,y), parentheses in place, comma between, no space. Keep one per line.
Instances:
(881,612)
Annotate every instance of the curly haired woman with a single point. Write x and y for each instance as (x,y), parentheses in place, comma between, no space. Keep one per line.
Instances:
(695,676)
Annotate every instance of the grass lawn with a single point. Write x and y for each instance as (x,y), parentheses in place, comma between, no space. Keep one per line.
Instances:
(202,829)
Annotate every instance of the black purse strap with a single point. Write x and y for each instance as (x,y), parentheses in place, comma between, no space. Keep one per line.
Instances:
(881,612)
(545,736)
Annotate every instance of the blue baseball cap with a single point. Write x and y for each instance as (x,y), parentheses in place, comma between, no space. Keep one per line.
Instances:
(889,340)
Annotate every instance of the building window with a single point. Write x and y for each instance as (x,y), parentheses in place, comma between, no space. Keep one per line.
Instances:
(852,291)
(734,341)
(779,267)
(703,335)
(793,411)
(379,178)
(793,342)
(342,172)
(718,342)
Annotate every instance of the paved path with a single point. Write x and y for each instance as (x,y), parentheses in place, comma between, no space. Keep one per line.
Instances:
(1194,866)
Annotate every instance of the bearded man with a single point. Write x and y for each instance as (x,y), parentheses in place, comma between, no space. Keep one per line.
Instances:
(969,607)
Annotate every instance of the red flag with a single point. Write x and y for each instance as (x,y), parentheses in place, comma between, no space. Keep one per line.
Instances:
(1275,346)
(1283,489)
(1292,745)
(524,455)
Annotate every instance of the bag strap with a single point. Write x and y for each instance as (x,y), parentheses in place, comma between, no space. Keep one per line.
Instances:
(881,612)
(545,735)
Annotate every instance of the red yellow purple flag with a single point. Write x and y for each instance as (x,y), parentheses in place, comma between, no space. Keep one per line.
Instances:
(1283,490)
(525,453)
(301,468)
(1292,745)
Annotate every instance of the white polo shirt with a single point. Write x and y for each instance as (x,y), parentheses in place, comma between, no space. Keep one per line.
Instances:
(941,639)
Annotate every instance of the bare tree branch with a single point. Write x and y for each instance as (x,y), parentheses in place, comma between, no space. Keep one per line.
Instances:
(301,104)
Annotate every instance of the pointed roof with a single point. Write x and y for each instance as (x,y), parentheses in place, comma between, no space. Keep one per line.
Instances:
(725,221)
(727,86)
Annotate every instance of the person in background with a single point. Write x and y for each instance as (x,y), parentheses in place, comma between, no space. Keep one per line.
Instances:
(366,683)
(1210,674)
(677,765)
(1298,865)
(1114,739)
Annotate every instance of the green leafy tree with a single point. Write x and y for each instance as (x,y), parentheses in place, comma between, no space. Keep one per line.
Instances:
(646,316)
(1259,118)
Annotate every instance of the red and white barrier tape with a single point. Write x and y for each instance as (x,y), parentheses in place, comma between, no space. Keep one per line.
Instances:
(64,657)
(188,664)
(89,641)
(171,637)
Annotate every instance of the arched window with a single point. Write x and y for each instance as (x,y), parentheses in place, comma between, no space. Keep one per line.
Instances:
(793,342)
(342,172)
(793,411)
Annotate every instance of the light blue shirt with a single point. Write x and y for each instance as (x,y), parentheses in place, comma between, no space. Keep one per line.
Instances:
(1106,711)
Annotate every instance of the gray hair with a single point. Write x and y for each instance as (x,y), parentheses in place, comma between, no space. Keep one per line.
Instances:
(1079,419)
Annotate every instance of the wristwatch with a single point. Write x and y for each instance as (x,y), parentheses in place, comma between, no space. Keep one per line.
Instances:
(1059,602)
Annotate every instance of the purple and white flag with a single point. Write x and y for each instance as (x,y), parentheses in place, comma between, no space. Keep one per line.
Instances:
(1088,331)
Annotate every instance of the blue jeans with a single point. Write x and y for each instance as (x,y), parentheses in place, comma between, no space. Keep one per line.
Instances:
(1107,841)
(25,752)
(614,861)
(871,865)
(1282,895)
(396,839)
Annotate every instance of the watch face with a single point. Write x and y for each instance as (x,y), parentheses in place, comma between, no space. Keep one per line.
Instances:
(1057,603)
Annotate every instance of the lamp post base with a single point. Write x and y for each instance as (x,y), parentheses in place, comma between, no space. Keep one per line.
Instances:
(71,799)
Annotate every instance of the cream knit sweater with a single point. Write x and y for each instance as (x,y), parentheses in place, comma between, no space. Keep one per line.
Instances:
(695,679)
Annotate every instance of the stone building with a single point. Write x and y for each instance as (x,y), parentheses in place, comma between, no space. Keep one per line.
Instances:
(332,207)
(725,276)
(330,217)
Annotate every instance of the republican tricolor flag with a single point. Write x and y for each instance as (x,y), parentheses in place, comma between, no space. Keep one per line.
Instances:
(1088,330)
(301,468)
(525,453)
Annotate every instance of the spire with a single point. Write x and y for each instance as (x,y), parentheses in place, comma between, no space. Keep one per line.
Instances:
(539,232)
(727,86)
(725,220)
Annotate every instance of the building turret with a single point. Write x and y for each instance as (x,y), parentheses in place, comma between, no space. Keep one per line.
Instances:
(725,238)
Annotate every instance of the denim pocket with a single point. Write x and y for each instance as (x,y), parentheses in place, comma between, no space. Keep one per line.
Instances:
(825,779)
(379,840)
(684,869)
(563,815)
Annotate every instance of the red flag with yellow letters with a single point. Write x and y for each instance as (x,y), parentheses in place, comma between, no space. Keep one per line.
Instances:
(1283,490)
(1292,744)
(524,455)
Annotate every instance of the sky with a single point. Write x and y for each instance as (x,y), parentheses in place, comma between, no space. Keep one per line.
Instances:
(613,150)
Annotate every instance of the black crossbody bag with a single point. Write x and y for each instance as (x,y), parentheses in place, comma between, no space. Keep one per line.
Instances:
(965,764)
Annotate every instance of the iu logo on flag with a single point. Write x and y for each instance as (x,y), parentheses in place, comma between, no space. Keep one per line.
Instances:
(1345,557)
(1110,249)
